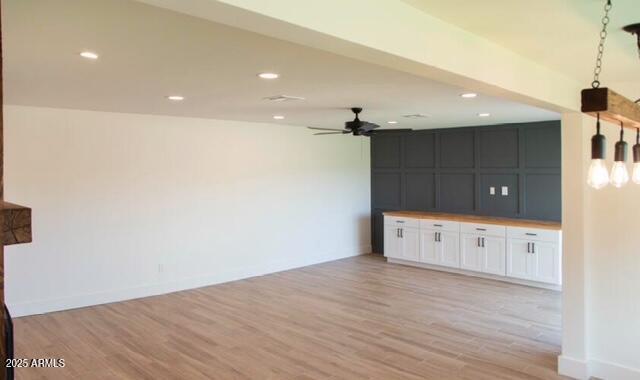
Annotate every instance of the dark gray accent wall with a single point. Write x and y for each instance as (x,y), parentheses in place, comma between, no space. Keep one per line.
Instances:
(451,170)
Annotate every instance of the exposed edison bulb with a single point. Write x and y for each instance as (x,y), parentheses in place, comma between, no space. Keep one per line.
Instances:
(636,173)
(619,174)
(598,174)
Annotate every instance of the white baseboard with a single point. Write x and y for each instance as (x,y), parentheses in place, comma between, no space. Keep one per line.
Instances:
(20,309)
(611,371)
(577,369)
(583,370)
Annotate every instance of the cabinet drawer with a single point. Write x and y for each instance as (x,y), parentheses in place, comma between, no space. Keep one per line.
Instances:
(401,221)
(440,225)
(533,234)
(483,229)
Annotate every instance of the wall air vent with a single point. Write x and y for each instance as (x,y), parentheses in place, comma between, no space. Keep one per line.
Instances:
(283,98)
(416,115)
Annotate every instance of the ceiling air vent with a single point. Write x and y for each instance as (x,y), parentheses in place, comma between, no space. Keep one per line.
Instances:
(283,98)
(416,115)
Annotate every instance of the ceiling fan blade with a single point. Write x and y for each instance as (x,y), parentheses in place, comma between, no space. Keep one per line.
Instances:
(325,129)
(365,125)
(330,133)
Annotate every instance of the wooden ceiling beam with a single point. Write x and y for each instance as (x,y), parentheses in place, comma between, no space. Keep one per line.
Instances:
(16,226)
(611,106)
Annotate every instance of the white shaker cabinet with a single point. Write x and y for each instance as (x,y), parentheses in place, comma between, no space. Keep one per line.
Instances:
(520,261)
(495,248)
(402,239)
(439,243)
(534,254)
(449,249)
(483,248)
(471,252)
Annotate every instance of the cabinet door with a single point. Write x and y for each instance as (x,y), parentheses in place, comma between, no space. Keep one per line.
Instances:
(520,260)
(410,243)
(449,249)
(547,262)
(392,242)
(495,260)
(471,252)
(429,247)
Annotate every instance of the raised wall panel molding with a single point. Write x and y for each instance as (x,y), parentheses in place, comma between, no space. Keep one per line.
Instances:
(448,170)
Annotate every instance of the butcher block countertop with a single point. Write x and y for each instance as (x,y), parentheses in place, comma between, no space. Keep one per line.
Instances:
(477,219)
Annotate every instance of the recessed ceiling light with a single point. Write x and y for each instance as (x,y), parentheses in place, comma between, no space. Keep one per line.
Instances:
(392,122)
(89,55)
(278,117)
(484,114)
(268,75)
(469,95)
(176,98)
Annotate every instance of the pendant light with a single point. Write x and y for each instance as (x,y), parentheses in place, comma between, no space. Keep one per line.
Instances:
(619,174)
(604,102)
(636,159)
(598,176)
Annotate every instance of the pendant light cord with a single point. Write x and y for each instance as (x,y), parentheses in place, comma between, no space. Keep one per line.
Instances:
(621,131)
(598,124)
(603,37)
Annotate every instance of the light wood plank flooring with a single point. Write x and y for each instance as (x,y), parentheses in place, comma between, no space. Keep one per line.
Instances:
(358,318)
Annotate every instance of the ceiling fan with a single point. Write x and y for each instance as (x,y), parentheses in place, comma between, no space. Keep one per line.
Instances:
(356,127)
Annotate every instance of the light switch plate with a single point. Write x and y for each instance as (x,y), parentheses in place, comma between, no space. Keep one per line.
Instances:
(492,190)
(505,191)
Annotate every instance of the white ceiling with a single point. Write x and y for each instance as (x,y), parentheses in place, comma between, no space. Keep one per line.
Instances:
(560,34)
(147,53)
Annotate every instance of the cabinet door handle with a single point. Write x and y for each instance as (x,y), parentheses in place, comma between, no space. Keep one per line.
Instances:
(481,229)
(439,236)
(397,232)
(533,247)
(482,242)
(435,236)
(528,247)
(479,243)
(401,233)
(437,225)
(530,234)
(399,221)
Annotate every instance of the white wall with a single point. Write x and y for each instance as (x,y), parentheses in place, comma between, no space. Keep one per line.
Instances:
(574,261)
(614,267)
(131,205)
(601,308)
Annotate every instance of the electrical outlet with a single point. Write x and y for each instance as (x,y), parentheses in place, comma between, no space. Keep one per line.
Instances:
(492,190)
(505,191)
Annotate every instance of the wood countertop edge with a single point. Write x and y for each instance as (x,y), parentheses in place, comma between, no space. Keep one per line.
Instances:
(477,219)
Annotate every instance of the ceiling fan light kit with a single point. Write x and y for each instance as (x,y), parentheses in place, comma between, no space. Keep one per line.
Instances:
(608,105)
